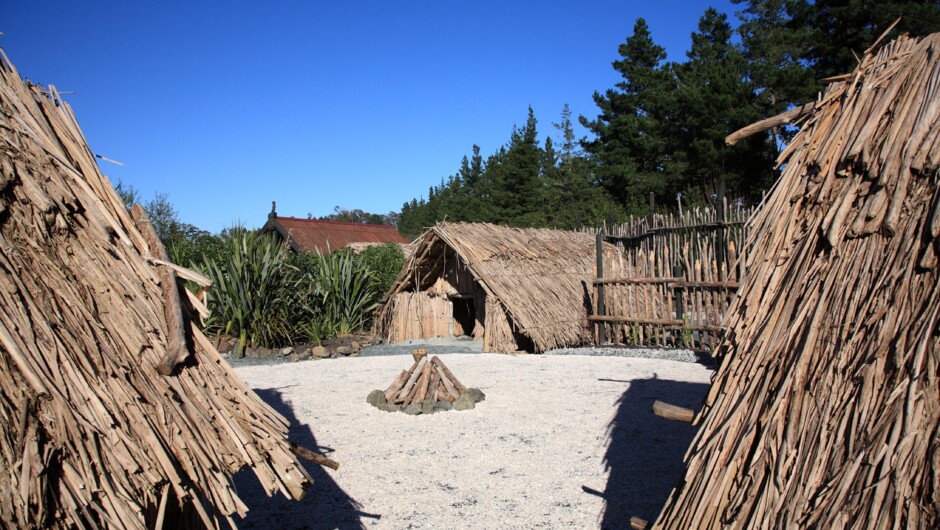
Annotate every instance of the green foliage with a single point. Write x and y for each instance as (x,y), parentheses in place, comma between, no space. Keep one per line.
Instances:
(129,194)
(521,184)
(661,128)
(360,217)
(256,293)
(271,297)
(344,291)
(630,130)
(384,263)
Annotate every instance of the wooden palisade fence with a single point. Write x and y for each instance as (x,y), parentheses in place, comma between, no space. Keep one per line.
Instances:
(683,270)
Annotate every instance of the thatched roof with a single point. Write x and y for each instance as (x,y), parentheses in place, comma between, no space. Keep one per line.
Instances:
(94,436)
(540,277)
(825,412)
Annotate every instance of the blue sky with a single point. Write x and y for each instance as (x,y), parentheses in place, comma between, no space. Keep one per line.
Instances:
(226,106)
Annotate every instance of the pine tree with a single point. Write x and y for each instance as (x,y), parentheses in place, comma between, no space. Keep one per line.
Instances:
(629,148)
(714,98)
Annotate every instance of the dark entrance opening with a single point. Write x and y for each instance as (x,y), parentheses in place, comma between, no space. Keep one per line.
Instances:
(464,316)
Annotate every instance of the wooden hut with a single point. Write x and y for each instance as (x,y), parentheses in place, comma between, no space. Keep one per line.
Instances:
(514,289)
(117,412)
(825,412)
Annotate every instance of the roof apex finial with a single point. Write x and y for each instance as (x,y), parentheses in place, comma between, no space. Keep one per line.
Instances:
(273,213)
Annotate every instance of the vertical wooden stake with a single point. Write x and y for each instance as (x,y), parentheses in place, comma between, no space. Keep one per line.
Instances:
(601,310)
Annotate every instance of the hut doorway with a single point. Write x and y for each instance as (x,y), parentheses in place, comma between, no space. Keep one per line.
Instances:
(464,316)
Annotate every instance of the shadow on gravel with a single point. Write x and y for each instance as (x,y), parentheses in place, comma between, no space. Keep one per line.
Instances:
(324,506)
(645,452)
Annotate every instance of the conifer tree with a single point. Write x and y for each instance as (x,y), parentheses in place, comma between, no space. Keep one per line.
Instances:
(629,148)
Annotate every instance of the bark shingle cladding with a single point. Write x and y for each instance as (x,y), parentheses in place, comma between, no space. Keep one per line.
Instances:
(93,436)
(825,412)
(314,235)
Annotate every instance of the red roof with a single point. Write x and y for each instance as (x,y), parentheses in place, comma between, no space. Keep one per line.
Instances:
(311,235)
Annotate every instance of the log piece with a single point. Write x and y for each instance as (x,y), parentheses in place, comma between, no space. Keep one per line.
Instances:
(396,385)
(774,121)
(673,412)
(307,454)
(433,384)
(419,354)
(415,373)
(446,373)
(423,384)
(176,348)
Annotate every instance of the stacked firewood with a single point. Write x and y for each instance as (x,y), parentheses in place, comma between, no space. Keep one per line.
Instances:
(426,380)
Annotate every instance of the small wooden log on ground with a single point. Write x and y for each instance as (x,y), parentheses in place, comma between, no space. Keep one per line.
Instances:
(307,454)
(673,412)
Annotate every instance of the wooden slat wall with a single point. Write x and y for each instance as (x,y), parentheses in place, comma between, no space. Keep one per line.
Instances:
(419,316)
(698,247)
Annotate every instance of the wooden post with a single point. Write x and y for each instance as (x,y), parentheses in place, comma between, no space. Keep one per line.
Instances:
(676,273)
(721,257)
(652,211)
(601,310)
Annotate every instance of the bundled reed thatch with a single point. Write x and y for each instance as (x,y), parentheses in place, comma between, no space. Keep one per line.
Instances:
(94,436)
(825,412)
(526,289)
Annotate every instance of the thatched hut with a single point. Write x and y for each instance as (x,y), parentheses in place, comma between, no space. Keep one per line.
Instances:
(515,289)
(825,412)
(94,435)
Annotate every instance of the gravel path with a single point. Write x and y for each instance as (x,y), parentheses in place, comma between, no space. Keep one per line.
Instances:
(561,441)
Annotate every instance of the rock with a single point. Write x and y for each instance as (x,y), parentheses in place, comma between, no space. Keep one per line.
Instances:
(427,407)
(476,395)
(442,405)
(319,352)
(414,409)
(344,350)
(464,403)
(224,344)
(354,354)
(469,399)
(258,352)
(286,351)
(389,407)
(376,398)
(355,346)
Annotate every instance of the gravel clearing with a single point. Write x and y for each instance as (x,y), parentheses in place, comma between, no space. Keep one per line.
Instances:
(561,441)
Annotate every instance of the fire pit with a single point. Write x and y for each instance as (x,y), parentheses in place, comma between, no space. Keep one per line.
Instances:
(425,388)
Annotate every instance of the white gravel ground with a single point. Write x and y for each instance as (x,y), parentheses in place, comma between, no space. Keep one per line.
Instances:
(560,442)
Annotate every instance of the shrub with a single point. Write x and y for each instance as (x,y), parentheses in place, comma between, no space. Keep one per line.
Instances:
(267,296)
(384,263)
(345,290)
(256,293)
